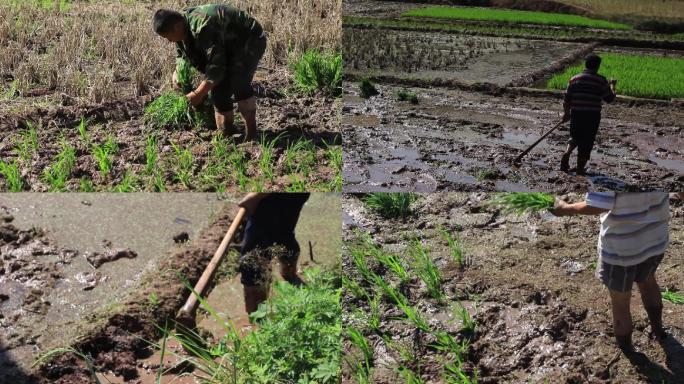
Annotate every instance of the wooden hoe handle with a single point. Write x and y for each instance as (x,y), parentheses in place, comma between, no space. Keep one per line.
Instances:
(517,159)
(191,304)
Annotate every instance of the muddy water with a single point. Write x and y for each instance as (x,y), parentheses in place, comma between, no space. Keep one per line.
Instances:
(458,140)
(90,224)
(429,55)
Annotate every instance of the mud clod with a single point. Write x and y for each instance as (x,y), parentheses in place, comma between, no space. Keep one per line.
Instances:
(97,259)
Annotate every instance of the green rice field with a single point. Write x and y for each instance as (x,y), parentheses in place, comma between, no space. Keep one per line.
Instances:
(512,16)
(653,77)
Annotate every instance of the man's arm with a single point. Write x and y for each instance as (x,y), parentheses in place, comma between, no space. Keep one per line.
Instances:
(251,201)
(566,102)
(561,208)
(610,93)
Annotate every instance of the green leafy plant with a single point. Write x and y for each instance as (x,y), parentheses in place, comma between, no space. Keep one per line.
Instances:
(317,70)
(522,202)
(390,205)
(12,175)
(405,95)
(367,88)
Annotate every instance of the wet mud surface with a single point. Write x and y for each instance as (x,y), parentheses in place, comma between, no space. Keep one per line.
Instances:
(74,260)
(281,114)
(551,327)
(464,140)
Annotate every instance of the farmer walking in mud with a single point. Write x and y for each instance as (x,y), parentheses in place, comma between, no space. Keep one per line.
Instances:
(269,233)
(226,45)
(582,105)
(632,243)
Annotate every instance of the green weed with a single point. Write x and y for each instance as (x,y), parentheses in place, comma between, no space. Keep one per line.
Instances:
(367,89)
(390,205)
(318,71)
(405,95)
(12,175)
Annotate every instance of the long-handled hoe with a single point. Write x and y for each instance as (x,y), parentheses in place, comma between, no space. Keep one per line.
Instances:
(518,159)
(186,316)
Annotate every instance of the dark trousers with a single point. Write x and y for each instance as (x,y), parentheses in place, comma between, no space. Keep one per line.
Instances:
(583,129)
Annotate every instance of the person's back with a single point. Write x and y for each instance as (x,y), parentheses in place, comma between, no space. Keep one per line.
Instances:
(634,229)
(588,90)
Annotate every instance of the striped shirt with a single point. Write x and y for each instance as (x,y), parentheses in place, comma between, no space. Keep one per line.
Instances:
(634,229)
(587,90)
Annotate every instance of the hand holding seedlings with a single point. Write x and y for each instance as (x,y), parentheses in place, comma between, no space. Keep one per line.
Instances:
(175,82)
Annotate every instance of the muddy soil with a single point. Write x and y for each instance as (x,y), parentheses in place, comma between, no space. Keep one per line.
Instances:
(464,140)
(280,112)
(54,291)
(427,55)
(552,327)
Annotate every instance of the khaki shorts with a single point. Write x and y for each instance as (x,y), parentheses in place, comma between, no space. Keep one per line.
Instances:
(621,279)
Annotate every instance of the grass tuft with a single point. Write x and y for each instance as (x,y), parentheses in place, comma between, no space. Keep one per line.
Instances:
(316,71)
(367,88)
(12,175)
(406,95)
(390,205)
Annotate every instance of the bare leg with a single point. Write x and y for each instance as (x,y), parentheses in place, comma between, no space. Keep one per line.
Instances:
(565,160)
(288,270)
(247,109)
(254,296)
(622,319)
(653,304)
(224,123)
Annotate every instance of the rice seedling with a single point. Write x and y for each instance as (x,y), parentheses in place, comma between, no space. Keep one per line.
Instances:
(12,175)
(425,268)
(392,263)
(468,324)
(454,374)
(300,157)
(405,95)
(50,355)
(390,205)
(173,110)
(266,163)
(57,174)
(151,154)
(183,164)
(357,339)
(673,297)
(353,287)
(522,202)
(127,183)
(86,185)
(454,246)
(184,74)
(316,71)
(367,88)
(512,16)
(296,185)
(27,143)
(104,155)
(360,260)
(655,77)
(374,313)
(83,131)
(402,302)
(409,376)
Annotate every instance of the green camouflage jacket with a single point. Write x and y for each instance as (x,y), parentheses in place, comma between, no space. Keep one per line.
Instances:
(215,33)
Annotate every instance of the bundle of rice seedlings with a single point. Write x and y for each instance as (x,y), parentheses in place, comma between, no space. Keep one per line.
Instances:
(172,109)
(522,202)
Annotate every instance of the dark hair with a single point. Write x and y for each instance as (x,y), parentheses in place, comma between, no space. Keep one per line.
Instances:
(165,19)
(592,61)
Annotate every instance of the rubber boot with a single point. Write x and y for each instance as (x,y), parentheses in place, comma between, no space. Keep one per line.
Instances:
(581,165)
(289,273)
(565,163)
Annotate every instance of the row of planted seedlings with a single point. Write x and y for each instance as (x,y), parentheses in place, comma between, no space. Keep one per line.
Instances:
(387,297)
(292,163)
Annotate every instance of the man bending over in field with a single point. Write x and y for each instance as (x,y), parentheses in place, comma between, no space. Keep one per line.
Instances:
(582,105)
(632,242)
(226,45)
(269,233)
